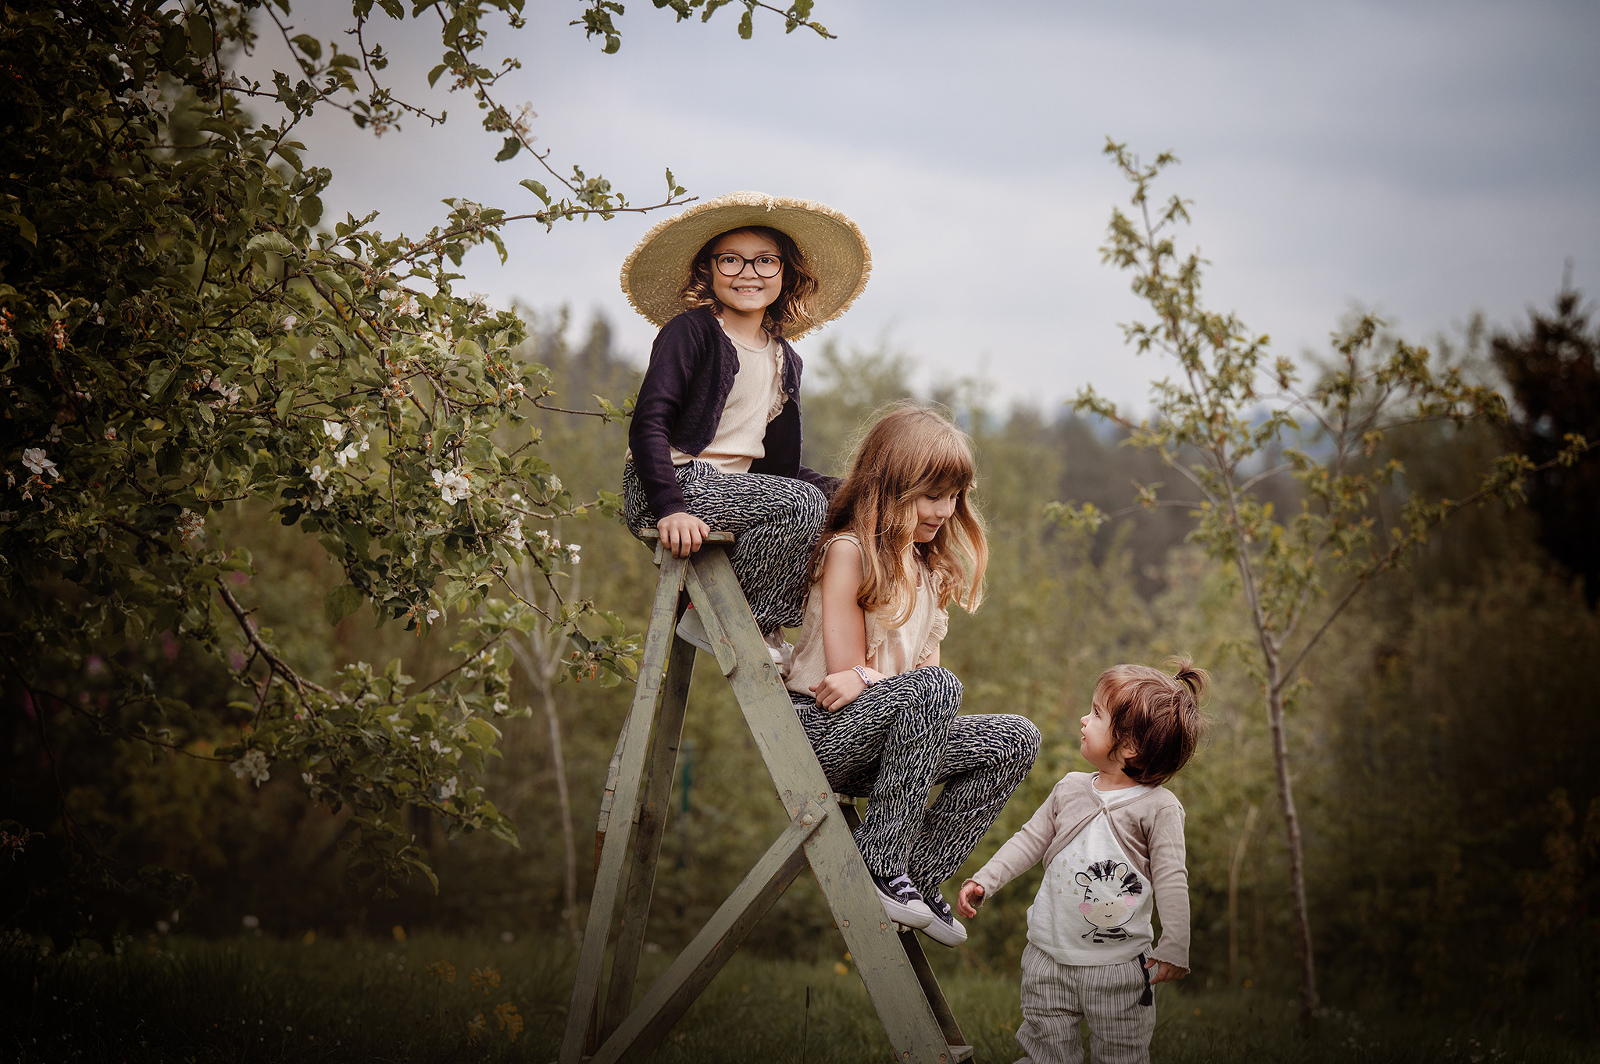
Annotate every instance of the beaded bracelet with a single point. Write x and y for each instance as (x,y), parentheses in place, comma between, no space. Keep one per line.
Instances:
(862,672)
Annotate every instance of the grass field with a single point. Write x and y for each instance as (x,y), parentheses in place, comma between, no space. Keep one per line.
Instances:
(435,998)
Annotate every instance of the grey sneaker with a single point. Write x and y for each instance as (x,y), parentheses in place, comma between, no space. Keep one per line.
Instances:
(902,902)
(692,629)
(944,929)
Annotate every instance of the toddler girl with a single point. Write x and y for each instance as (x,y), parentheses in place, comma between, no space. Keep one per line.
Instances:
(1111,841)
(902,542)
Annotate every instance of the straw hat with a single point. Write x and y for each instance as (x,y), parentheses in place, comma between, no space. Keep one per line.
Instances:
(837,254)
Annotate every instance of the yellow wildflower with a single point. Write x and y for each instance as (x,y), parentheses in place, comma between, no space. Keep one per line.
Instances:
(510,1021)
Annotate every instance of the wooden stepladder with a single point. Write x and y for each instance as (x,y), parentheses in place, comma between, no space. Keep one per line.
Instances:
(919,1023)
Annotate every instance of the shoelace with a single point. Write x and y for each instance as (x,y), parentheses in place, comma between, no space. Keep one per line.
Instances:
(903,887)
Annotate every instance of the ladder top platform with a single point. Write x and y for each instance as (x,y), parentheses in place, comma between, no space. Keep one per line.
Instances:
(710,537)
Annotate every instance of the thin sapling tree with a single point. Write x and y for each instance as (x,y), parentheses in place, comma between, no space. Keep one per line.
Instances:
(1233,416)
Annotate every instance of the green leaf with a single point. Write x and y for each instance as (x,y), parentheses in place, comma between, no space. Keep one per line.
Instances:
(508,150)
(485,733)
(537,189)
(340,602)
(270,241)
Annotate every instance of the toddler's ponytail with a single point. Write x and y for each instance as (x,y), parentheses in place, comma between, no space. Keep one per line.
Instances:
(1198,681)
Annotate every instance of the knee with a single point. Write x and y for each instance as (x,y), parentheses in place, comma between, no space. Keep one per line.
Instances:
(942,686)
(811,506)
(1023,738)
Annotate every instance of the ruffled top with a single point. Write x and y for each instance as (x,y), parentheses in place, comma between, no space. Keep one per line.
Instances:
(890,651)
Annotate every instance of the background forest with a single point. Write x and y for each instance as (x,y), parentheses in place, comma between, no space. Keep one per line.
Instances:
(1445,743)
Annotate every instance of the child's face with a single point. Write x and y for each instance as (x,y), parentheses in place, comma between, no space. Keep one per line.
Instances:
(1095,744)
(746,291)
(934,508)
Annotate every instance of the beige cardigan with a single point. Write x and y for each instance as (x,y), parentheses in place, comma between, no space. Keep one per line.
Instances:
(1150,830)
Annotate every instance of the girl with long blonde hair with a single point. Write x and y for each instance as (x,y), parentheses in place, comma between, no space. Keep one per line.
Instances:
(903,541)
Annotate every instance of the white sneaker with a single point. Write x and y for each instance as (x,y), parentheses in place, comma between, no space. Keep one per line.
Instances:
(944,929)
(902,901)
(692,629)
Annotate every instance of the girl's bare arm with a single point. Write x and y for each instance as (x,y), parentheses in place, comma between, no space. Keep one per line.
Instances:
(844,627)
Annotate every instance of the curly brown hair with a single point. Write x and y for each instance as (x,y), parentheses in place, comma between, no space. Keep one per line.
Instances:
(791,309)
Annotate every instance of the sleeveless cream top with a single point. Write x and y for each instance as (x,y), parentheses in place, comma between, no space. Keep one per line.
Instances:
(890,651)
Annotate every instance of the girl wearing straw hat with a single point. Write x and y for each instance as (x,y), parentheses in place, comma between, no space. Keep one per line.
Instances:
(715,437)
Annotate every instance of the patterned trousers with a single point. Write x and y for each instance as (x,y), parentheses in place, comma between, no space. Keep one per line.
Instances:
(776,519)
(1056,996)
(899,739)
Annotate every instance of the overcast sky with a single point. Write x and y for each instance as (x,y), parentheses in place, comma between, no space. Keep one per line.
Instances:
(1422,159)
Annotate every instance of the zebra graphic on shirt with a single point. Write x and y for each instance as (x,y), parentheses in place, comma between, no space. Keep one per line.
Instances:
(1111,893)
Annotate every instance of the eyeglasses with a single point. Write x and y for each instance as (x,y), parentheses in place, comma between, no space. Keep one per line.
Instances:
(731,265)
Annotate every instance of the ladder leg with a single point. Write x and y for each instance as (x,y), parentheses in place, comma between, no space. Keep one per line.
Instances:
(658,641)
(652,820)
(702,958)
(919,962)
(908,1018)
(896,991)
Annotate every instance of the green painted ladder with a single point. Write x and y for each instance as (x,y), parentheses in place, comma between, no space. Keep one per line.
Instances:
(902,986)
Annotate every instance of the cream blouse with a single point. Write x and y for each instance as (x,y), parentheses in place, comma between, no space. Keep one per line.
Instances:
(890,651)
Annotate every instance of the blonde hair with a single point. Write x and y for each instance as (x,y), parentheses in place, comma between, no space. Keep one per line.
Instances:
(909,451)
(1154,716)
(792,309)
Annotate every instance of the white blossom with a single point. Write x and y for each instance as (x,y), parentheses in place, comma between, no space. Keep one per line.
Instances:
(453,486)
(111,434)
(572,552)
(447,789)
(351,451)
(433,615)
(36,462)
(334,429)
(319,474)
(191,526)
(290,321)
(254,765)
(514,534)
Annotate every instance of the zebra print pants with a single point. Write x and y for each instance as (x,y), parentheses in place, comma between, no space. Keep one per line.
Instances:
(776,520)
(899,739)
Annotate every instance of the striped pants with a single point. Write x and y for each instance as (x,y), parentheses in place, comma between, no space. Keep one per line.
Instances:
(1056,996)
(776,520)
(899,739)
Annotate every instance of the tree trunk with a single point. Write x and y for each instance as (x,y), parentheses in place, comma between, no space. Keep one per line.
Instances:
(1234,865)
(569,885)
(1291,826)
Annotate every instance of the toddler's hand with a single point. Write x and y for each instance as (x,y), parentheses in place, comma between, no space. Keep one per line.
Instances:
(1164,972)
(969,899)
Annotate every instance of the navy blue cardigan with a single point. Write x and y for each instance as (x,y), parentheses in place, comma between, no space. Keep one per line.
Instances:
(692,366)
